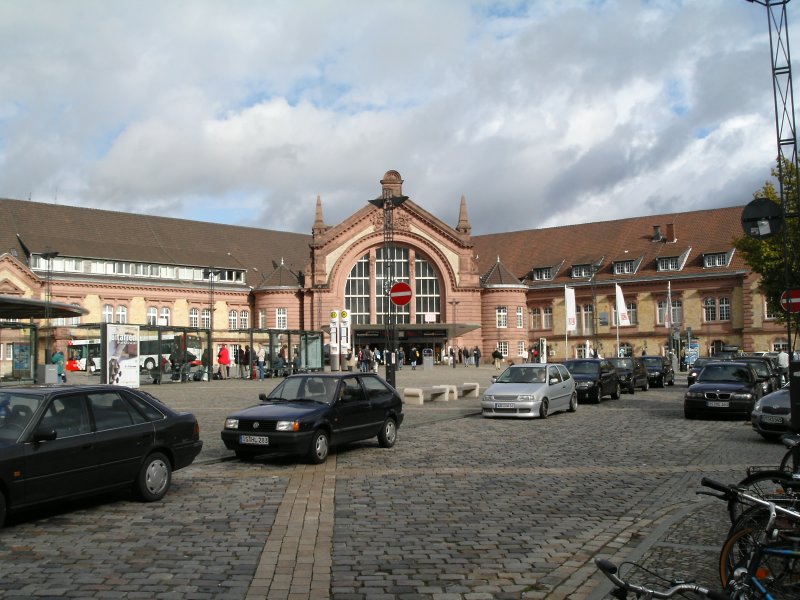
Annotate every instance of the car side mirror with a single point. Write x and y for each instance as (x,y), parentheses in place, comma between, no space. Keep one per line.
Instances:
(553,380)
(494,378)
(262,396)
(44,434)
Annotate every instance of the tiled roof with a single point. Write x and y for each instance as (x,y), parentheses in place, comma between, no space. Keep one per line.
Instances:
(92,233)
(499,275)
(702,231)
(281,277)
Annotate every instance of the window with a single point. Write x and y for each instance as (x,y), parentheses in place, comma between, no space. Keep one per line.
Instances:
(520,318)
(501,316)
(356,291)
(768,314)
(397,262)
(581,271)
(717,309)
(108,313)
(632,315)
(780,346)
(547,318)
(503,347)
(670,263)
(536,318)
(244,319)
(122,314)
(521,349)
(624,267)
(164,316)
(676,318)
(719,259)
(543,274)
(152,316)
(233,319)
(281,318)
(112,411)
(205,319)
(194,317)
(428,301)
(68,415)
(262,318)
(587,318)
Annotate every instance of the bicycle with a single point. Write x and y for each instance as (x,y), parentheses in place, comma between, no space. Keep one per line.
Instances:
(622,587)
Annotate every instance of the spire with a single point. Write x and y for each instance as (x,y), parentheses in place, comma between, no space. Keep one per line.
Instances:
(463,218)
(319,226)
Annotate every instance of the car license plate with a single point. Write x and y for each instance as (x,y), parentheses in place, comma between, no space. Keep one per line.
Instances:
(771,419)
(713,404)
(504,405)
(258,440)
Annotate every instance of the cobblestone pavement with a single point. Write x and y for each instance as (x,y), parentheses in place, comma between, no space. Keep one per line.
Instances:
(461,508)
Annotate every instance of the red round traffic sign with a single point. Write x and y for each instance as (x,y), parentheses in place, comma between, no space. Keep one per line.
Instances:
(790,301)
(400,294)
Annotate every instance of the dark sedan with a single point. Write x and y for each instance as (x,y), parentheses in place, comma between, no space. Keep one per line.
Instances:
(307,414)
(771,416)
(69,441)
(594,378)
(695,368)
(632,373)
(723,388)
(659,370)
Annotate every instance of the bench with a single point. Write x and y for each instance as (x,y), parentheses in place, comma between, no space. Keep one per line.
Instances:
(469,390)
(452,391)
(418,396)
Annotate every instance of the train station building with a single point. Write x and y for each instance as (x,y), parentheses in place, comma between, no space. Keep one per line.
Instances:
(684,285)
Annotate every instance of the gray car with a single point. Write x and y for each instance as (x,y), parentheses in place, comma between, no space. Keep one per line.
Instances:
(530,390)
(771,416)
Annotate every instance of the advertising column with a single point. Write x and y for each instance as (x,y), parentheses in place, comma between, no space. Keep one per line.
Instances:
(344,337)
(334,345)
(121,355)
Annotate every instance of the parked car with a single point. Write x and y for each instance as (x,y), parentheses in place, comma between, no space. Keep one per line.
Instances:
(309,413)
(632,373)
(723,388)
(695,368)
(771,416)
(659,370)
(530,390)
(768,374)
(594,378)
(62,442)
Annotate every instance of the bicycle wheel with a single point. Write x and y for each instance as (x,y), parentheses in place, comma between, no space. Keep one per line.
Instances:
(779,573)
(736,552)
(791,460)
(775,486)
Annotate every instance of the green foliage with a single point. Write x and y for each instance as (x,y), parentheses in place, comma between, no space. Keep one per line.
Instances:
(766,257)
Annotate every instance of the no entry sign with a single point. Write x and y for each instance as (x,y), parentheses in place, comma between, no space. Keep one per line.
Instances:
(790,301)
(400,293)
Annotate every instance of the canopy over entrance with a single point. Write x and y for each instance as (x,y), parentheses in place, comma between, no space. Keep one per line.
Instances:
(16,307)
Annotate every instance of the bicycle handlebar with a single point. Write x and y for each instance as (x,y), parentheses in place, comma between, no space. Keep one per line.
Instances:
(609,569)
(731,491)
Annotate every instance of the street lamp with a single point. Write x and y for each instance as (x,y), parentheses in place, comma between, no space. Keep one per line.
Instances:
(388,204)
(211,272)
(48,299)
(454,304)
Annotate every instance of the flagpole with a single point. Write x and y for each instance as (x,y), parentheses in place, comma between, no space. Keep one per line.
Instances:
(566,326)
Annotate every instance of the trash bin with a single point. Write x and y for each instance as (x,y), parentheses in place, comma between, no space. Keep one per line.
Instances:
(427,358)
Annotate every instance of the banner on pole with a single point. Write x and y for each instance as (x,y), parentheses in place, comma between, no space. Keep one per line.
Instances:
(569,300)
(623,319)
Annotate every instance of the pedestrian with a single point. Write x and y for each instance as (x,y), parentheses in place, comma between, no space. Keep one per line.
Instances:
(414,355)
(224,360)
(401,357)
(244,362)
(476,355)
(260,356)
(452,357)
(497,356)
(465,356)
(783,364)
(58,360)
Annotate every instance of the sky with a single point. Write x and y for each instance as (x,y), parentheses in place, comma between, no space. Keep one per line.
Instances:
(539,113)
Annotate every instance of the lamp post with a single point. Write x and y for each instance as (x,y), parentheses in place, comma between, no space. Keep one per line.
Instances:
(48,298)
(454,304)
(211,272)
(388,203)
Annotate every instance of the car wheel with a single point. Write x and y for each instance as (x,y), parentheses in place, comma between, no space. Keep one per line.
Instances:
(544,409)
(2,509)
(646,385)
(149,364)
(388,433)
(631,388)
(616,393)
(320,444)
(598,394)
(573,402)
(154,477)
(671,381)
(661,381)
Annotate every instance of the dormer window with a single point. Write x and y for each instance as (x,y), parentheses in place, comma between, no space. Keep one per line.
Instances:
(669,263)
(624,267)
(581,271)
(543,274)
(716,259)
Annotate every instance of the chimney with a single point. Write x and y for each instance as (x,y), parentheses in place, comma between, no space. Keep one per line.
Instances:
(657,237)
(671,233)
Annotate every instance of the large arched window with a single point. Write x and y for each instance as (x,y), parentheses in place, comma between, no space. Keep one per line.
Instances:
(398,265)
(427,292)
(356,292)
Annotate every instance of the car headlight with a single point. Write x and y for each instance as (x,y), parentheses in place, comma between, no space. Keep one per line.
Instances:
(288,426)
(488,398)
(695,395)
(231,423)
(526,398)
(757,406)
(742,396)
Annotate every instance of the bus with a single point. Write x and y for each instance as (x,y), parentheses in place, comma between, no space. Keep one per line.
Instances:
(83,355)
(172,344)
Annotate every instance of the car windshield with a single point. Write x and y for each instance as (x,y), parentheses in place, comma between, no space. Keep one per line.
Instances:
(653,361)
(16,411)
(761,368)
(582,367)
(699,364)
(724,373)
(623,363)
(315,388)
(523,375)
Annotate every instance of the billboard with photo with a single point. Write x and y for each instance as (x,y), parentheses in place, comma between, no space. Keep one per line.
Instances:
(122,355)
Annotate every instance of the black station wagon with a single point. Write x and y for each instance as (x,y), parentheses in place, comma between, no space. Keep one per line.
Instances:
(308,413)
(60,442)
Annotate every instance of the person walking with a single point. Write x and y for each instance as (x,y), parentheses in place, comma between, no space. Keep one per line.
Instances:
(453,356)
(476,355)
(401,358)
(60,362)
(224,360)
(244,362)
(414,357)
(497,356)
(260,356)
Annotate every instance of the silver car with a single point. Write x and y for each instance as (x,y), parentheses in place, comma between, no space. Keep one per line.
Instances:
(530,390)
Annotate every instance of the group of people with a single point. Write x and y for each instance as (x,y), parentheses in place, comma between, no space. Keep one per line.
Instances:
(466,356)
(252,362)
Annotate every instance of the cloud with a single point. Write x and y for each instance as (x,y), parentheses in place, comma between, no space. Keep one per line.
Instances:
(540,113)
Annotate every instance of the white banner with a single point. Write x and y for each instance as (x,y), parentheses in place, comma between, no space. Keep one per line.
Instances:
(344,331)
(334,332)
(569,301)
(623,319)
(122,355)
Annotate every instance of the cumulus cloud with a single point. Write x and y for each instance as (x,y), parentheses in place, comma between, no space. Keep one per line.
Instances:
(540,113)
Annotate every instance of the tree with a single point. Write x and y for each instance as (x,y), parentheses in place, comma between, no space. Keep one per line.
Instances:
(766,256)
